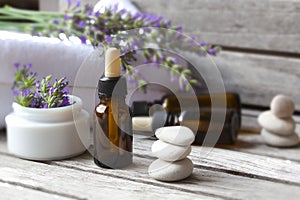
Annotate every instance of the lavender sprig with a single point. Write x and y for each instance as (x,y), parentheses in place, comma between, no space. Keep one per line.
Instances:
(30,92)
(111,27)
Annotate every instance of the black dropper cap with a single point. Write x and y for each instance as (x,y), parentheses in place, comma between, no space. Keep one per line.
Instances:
(112,83)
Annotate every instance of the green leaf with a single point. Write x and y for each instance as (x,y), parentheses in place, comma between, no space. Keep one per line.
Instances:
(186,72)
(188,87)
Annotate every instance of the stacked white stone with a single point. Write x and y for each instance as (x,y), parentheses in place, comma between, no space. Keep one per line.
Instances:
(278,124)
(172,148)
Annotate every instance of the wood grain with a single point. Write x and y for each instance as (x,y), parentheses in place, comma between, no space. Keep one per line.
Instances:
(216,182)
(254,144)
(258,78)
(81,184)
(13,192)
(265,24)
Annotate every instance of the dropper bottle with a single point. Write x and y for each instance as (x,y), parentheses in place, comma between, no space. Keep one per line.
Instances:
(113,126)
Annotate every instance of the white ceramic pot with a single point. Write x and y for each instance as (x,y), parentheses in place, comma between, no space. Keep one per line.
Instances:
(48,134)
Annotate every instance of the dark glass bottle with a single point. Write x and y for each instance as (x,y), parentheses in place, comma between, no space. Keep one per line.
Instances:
(113,126)
(173,115)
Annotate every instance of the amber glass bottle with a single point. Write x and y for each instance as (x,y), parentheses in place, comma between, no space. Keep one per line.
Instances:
(173,115)
(113,126)
(171,103)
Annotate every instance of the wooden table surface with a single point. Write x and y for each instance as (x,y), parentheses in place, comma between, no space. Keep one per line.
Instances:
(247,170)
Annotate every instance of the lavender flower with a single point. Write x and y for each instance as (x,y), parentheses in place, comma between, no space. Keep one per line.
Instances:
(29,92)
(16,92)
(212,51)
(17,65)
(77,3)
(67,17)
(108,39)
(69,3)
(82,24)
(89,12)
(56,21)
(108,28)
(82,39)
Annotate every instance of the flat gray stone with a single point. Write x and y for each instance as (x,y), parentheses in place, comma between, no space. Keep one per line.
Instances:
(279,141)
(178,135)
(277,125)
(171,171)
(282,106)
(169,152)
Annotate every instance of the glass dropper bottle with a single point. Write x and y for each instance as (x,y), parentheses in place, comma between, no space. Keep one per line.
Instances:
(113,126)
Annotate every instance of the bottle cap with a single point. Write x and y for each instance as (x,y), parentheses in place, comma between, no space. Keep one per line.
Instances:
(106,87)
(112,63)
(107,84)
(140,108)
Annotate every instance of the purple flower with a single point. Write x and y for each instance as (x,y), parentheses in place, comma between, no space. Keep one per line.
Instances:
(77,3)
(203,44)
(136,16)
(157,24)
(51,91)
(65,102)
(36,95)
(69,2)
(17,65)
(108,39)
(26,92)
(83,39)
(175,60)
(45,106)
(89,11)
(66,90)
(115,7)
(179,28)
(67,17)
(82,24)
(56,21)
(16,92)
(97,14)
(212,52)
(123,11)
(37,84)
(28,66)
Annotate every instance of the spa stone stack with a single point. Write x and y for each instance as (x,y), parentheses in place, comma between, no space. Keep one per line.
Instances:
(172,148)
(278,124)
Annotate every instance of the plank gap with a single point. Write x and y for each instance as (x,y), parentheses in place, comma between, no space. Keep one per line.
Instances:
(261,52)
(232,172)
(248,175)
(158,184)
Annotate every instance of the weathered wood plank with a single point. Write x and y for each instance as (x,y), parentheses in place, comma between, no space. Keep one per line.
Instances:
(210,182)
(13,192)
(254,144)
(258,78)
(59,5)
(239,163)
(83,185)
(265,24)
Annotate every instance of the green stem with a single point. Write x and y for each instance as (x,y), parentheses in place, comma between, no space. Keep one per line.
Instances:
(10,9)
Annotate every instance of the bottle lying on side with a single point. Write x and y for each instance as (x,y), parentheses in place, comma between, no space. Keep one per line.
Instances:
(208,130)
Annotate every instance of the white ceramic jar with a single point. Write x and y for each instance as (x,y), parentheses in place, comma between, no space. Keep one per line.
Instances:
(48,134)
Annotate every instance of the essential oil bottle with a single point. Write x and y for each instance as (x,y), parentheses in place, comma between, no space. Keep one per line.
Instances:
(171,114)
(113,126)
